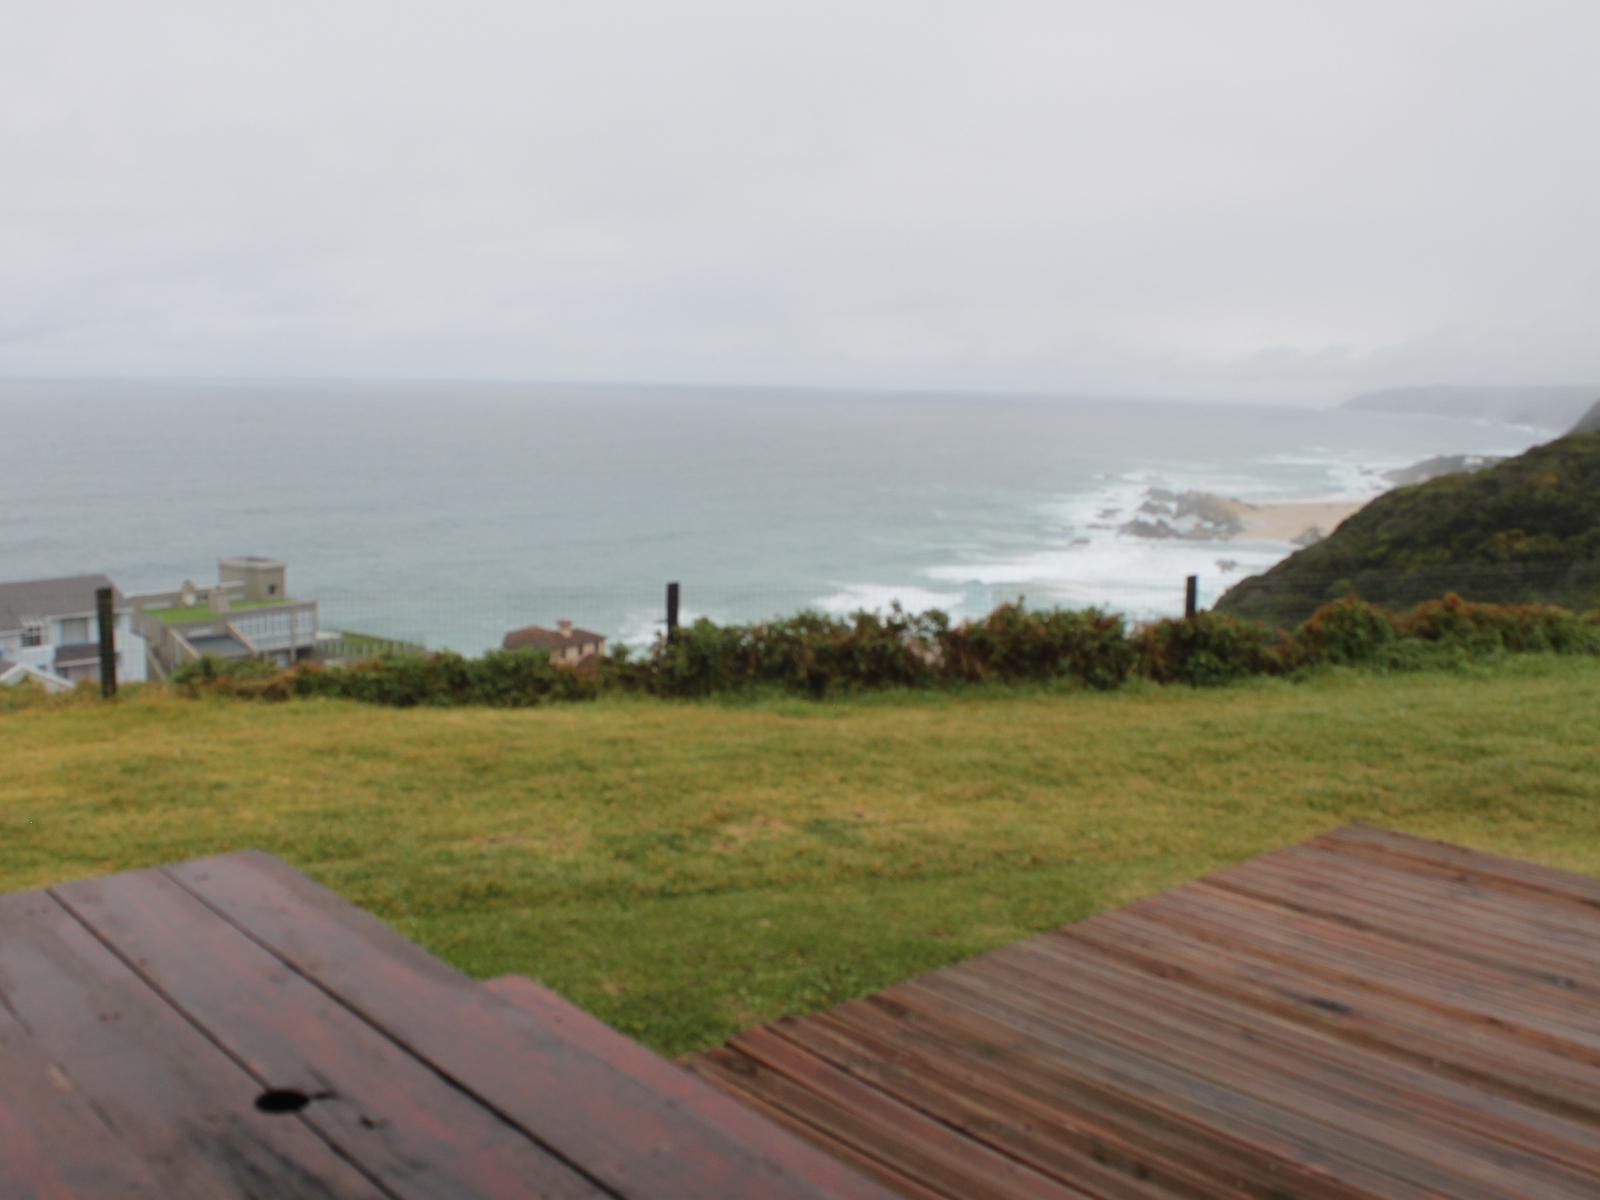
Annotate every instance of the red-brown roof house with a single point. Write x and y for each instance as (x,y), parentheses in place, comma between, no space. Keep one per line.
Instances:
(564,643)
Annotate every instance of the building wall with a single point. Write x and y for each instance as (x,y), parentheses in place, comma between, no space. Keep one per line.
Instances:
(66,630)
(273,629)
(263,580)
(575,652)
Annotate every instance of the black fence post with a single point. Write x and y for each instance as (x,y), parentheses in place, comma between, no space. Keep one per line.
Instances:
(1191,597)
(672,611)
(106,616)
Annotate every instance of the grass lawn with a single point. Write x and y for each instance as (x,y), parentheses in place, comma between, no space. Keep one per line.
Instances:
(200,612)
(682,870)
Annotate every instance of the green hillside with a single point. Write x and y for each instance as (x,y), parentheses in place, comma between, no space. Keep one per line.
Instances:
(1527,529)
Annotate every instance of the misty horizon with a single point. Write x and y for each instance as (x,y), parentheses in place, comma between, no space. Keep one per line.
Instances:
(1252,202)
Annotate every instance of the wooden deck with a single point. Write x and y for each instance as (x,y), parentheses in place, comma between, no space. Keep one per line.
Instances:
(228,1029)
(1365,1015)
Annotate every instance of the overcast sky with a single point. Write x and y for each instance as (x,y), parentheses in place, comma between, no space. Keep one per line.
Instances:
(1220,197)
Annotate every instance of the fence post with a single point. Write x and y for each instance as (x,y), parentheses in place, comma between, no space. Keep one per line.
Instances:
(672,611)
(1191,597)
(106,616)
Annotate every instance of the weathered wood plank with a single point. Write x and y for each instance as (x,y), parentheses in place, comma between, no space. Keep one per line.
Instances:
(407,1126)
(742,1079)
(800,1159)
(1369,1015)
(1196,1015)
(1387,1104)
(1362,956)
(616,1129)
(177,1109)
(1071,1107)
(1427,856)
(906,1139)
(42,1110)
(986,1115)
(1236,1098)
(1477,1051)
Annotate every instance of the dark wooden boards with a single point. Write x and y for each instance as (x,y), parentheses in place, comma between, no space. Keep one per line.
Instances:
(153,1097)
(1366,1015)
(753,1131)
(229,1029)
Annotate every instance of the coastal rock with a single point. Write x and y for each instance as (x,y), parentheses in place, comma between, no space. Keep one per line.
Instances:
(1192,516)
(1139,527)
(1309,536)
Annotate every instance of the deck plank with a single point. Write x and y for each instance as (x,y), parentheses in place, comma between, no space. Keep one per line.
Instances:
(555,1091)
(1367,1015)
(755,1131)
(403,1123)
(168,1104)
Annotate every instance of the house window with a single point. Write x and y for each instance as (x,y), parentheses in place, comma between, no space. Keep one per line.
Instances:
(272,589)
(75,629)
(33,633)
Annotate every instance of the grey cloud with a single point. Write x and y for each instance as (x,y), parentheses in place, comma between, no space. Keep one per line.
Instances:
(1271,198)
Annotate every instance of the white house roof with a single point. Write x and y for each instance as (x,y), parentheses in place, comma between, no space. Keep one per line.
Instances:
(67,596)
(11,672)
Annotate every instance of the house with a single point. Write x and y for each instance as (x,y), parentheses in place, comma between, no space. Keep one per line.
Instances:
(247,613)
(564,644)
(49,632)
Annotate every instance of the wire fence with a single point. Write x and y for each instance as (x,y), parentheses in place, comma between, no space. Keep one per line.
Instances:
(636,616)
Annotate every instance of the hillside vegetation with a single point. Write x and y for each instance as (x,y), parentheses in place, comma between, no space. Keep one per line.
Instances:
(682,869)
(1524,530)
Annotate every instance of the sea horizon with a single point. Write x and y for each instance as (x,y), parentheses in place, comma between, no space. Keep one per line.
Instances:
(448,512)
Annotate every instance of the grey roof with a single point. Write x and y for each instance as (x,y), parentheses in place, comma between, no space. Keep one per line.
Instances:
(74,653)
(67,596)
(5,665)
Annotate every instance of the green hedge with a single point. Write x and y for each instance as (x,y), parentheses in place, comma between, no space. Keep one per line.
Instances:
(817,656)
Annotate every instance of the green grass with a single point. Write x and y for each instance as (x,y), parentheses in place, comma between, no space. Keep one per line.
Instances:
(201,612)
(682,870)
(371,642)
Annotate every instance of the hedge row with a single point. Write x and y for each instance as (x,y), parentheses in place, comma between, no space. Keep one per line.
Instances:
(817,656)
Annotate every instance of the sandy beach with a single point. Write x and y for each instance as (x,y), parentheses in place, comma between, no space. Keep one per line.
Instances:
(1288,521)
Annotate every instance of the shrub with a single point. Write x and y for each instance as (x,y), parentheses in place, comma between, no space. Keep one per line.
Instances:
(209,669)
(501,679)
(815,655)
(1205,650)
(1346,632)
(1013,644)
(1491,628)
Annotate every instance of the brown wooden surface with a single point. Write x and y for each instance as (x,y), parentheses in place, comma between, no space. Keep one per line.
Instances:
(1366,1015)
(143,1015)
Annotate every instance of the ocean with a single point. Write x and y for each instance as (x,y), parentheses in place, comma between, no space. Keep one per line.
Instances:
(448,513)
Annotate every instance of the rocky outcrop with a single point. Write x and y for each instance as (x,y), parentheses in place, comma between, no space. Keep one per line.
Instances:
(1192,516)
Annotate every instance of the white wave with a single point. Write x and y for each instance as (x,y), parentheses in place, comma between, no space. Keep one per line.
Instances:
(876,597)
